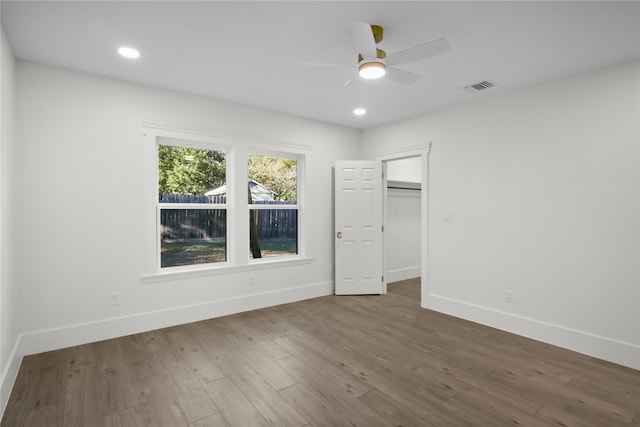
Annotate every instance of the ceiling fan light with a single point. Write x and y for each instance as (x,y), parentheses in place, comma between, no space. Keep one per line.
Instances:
(372,70)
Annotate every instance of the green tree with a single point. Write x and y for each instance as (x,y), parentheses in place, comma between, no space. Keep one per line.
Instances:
(276,173)
(185,170)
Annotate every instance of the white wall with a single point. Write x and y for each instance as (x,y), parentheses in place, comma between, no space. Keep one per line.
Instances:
(542,185)
(407,170)
(79,181)
(402,235)
(9,359)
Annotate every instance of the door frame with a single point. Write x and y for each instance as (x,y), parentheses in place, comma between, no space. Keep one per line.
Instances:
(422,151)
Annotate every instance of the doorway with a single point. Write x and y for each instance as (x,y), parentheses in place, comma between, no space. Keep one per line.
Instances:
(403,219)
(404,208)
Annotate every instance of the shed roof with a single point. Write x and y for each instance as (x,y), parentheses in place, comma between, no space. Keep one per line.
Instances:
(258,191)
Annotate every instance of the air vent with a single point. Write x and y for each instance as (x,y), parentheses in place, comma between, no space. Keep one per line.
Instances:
(479,86)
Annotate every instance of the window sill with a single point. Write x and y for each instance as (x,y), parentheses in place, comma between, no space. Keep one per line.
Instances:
(211,271)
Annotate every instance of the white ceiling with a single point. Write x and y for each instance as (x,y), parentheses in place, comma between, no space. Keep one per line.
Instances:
(250,52)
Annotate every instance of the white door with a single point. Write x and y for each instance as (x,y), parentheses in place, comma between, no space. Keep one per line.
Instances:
(358,222)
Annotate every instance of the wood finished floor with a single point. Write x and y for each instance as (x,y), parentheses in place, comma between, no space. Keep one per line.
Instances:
(331,361)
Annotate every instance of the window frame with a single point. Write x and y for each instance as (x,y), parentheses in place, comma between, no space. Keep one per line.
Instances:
(300,167)
(160,206)
(236,149)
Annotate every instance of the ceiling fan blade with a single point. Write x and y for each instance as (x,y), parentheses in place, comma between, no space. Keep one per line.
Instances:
(402,76)
(363,39)
(416,53)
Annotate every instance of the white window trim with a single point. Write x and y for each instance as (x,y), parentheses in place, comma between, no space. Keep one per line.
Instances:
(236,147)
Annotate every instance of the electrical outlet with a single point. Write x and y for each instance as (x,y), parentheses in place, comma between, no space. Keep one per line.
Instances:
(509,296)
(114,299)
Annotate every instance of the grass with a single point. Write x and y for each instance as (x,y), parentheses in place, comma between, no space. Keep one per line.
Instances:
(188,252)
(278,247)
(203,251)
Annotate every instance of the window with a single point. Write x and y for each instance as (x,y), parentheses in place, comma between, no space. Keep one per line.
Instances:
(221,203)
(273,206)
(192,213)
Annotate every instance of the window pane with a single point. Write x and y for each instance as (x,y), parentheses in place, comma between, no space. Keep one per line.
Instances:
(273,232)
(272,178)
(192,236)
(191,175)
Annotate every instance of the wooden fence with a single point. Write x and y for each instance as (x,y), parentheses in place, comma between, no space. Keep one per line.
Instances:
(185,223)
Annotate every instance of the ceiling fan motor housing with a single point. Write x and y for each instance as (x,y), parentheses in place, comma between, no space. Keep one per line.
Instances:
(381,54)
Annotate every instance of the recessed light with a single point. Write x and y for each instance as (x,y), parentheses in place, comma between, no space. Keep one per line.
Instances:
(129,52)
(359,111)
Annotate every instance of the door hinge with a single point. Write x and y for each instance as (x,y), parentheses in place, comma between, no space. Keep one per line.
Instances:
(382,280)
(382,228)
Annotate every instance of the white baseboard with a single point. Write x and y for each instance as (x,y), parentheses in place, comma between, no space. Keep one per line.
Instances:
(68,336)
(9,375)
(622,353)
(403,274)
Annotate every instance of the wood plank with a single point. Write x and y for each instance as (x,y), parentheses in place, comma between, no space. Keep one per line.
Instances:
(157,405)
(83,400)
(215,420)
(609,390)
(558,416)
(480,408)
(81,356)
(555,396)
(314,409)
(235,407)
(271,321)
(268,370)
(114,379)
(188,393)
(195,355)
(459,381)
(268,349)
(337,350)
(219,326)
(130,417)
(16,410)
(258,391)
(47,376)
(387,409)
(412,395)
(157,340)
(315,360)
(336,392)
(138,356)
(215,345)
(318,374)
(45,416)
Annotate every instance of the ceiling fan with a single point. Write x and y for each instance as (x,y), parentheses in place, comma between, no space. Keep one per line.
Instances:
(374,63)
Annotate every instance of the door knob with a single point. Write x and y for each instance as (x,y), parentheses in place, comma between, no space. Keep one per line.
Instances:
(339,235)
